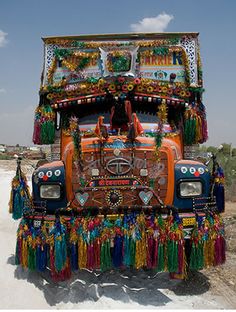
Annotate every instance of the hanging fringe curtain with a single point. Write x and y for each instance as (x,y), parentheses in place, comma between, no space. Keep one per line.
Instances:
(20,193)
(135,240)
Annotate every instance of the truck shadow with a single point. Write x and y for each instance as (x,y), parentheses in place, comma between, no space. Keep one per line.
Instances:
(143,287)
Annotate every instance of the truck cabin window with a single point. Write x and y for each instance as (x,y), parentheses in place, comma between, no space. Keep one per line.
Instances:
(147,113)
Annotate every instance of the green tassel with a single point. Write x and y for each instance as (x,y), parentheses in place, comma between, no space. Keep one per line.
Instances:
(31,258)
(200,256)
(161,258)
(47,134)
(190,131)
(132,252)
(172,256)
(105,256)
(17,259)
(196,257)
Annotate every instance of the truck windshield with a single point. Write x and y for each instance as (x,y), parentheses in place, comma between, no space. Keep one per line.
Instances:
(147,113)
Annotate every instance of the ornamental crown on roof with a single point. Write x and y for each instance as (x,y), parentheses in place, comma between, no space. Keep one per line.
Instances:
(147,62)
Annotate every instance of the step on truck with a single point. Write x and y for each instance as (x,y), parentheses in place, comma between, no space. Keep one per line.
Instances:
(122,114)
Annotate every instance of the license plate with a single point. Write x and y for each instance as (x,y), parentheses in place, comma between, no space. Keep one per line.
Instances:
(188,221)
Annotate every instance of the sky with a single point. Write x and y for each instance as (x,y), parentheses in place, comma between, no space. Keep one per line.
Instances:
(24,22)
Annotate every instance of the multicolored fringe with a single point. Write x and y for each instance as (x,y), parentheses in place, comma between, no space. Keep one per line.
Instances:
(208,243)
(195,124)
(132,241)
(19,193)
(44,125)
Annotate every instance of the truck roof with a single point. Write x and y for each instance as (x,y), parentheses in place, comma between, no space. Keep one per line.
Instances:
(122,36)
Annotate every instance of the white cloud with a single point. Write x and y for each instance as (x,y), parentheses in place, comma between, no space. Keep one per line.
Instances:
(3,40)
(2,90)
(153,24)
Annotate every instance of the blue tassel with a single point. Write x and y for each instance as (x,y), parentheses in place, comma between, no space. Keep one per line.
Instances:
(127,250)
(18,204)
(41,257)
(219,193)
(74,257)
(117,255)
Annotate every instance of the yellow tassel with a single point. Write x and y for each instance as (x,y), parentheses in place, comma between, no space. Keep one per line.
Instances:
(24,259)
(141,251)
(10,204)
(82,253)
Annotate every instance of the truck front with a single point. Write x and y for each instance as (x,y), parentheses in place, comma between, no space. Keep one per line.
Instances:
(121,113)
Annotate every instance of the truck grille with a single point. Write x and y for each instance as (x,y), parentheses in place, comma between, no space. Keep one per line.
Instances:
(121,178)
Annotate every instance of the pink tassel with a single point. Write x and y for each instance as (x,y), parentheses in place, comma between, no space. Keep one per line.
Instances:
(37,131)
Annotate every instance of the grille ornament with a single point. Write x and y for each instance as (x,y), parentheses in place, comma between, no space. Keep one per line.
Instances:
(118,166)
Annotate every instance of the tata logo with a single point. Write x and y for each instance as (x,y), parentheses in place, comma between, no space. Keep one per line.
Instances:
(118,166)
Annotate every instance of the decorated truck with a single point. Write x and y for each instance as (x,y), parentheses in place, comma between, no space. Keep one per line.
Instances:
(122,114)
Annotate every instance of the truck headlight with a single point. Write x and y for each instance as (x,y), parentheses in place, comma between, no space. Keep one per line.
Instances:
(190,188)
(50,191)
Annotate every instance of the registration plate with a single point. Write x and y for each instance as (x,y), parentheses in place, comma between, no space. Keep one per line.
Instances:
(37,223)
(188,221)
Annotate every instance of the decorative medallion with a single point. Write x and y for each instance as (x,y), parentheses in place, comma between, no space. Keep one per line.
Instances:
(57,173)
(192,170)
(82,198)
(184,170)
(114,198)
(145,196)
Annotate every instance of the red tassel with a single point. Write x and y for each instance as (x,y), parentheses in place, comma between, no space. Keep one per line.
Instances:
(181,257)
(97,251)
(219,250)
(52,265)
(149,252)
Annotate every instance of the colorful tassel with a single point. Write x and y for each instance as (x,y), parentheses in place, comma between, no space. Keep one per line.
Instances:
(195,124)
(137,241)
(20,193)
